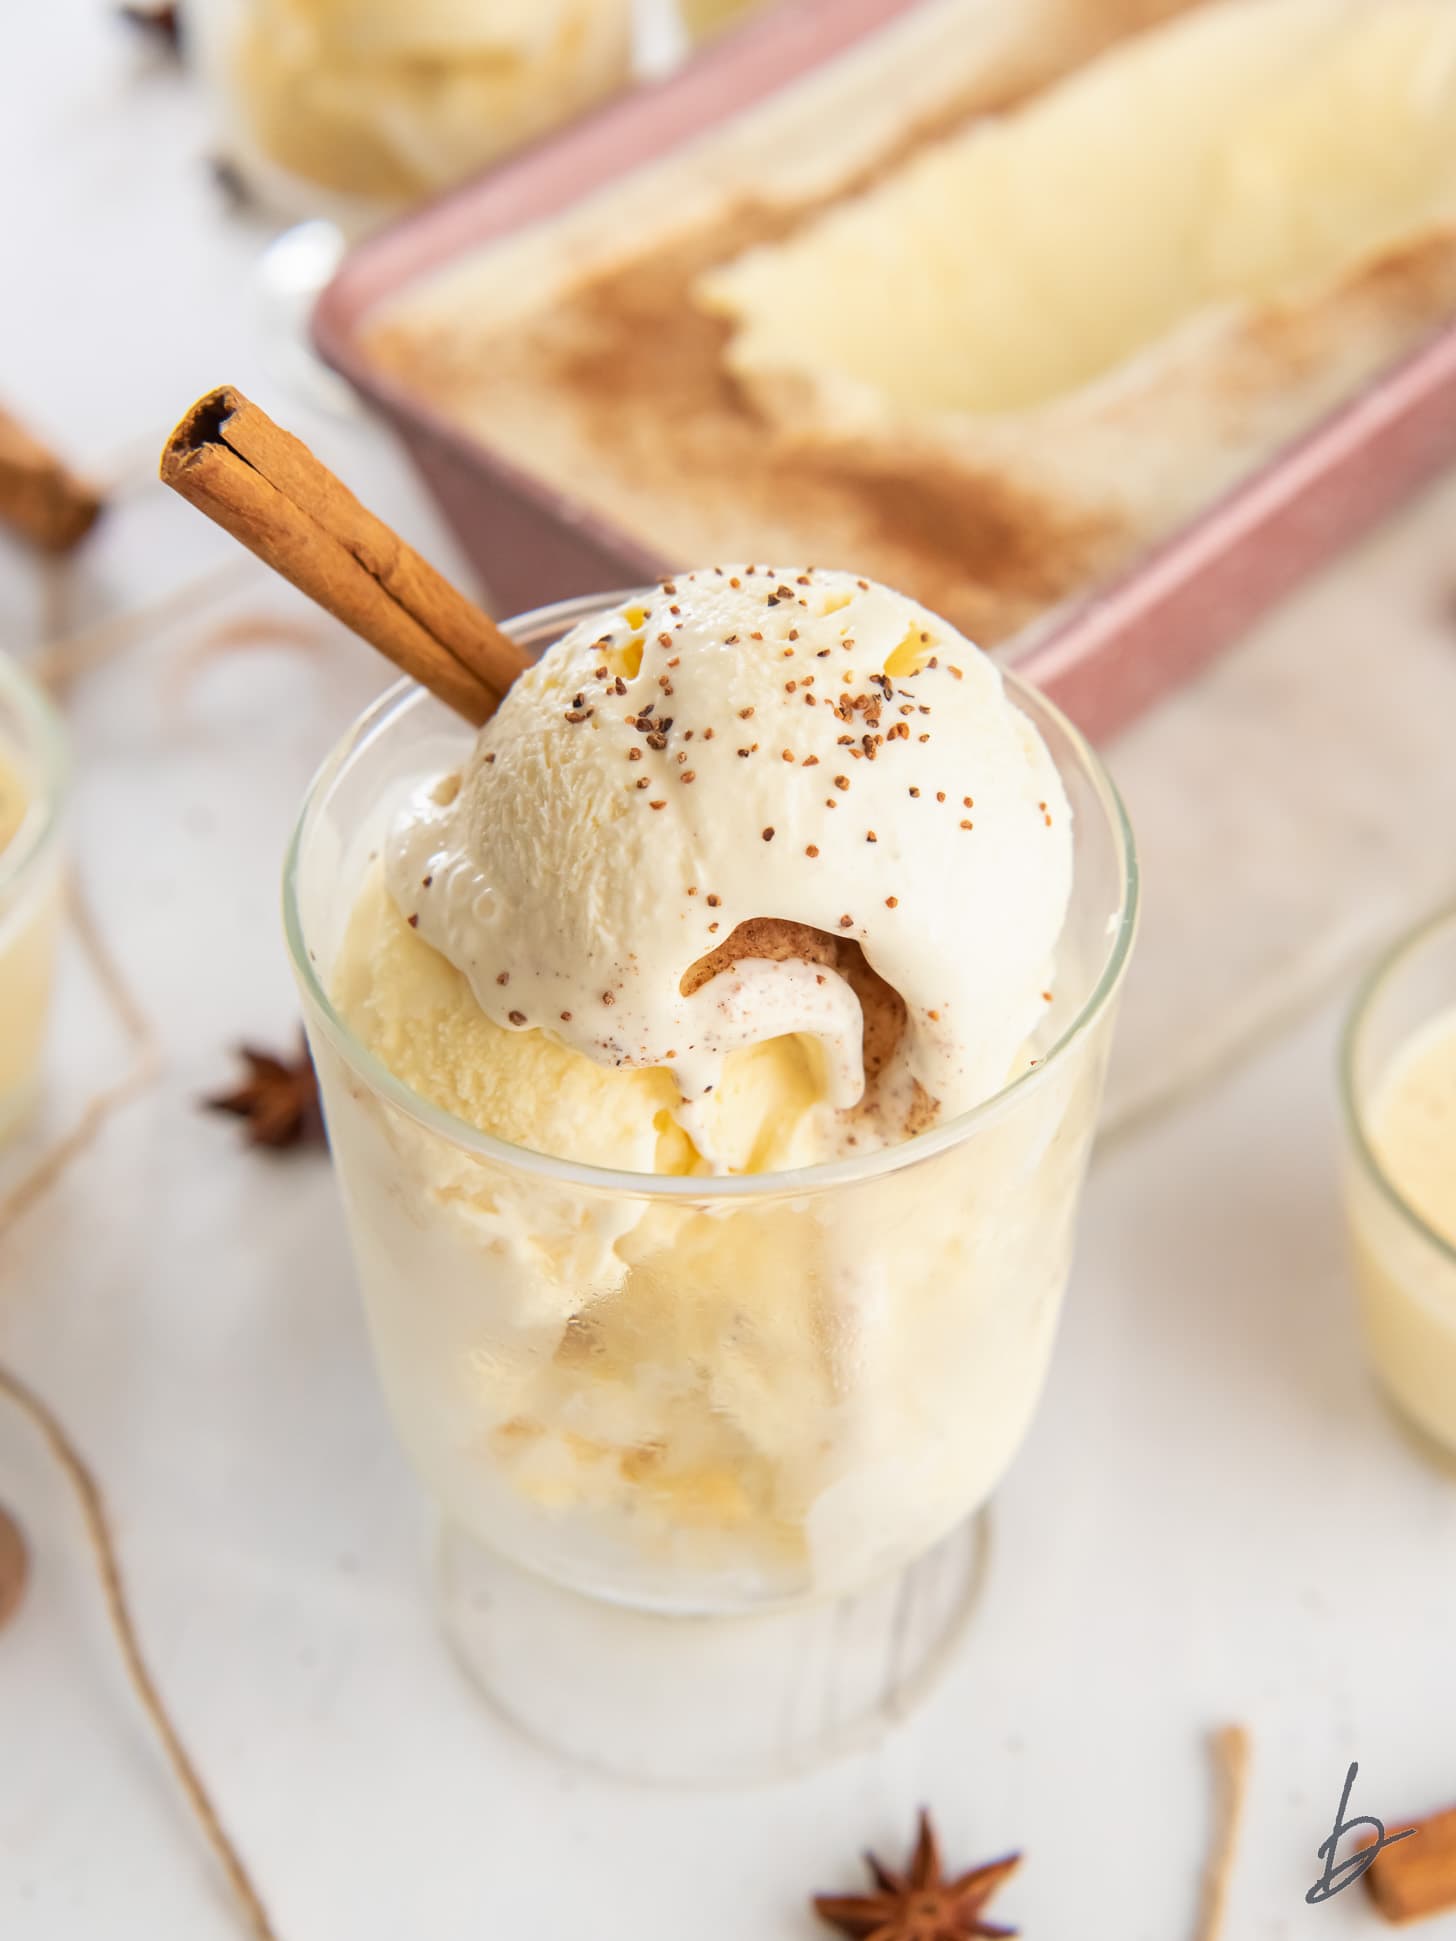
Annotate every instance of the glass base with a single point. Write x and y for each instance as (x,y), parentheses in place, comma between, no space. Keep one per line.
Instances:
(710,1701)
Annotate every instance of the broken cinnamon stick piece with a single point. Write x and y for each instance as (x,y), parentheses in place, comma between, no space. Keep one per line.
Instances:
(1416,1877)
(268,490)
(1232,1751)
(40,497)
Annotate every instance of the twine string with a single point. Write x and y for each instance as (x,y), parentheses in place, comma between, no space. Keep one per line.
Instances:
(58,665)
(92,1505)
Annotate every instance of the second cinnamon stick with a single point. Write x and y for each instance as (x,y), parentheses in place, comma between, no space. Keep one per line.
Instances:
(40,497)
(1413,1879)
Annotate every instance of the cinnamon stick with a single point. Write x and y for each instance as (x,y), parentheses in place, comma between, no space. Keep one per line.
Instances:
(1414,1878)
(40,497)
(1232,1751)
(268,490)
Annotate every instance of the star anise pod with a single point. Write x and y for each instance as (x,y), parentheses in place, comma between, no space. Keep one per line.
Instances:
(279,1099)
(919,1904)
(163,23)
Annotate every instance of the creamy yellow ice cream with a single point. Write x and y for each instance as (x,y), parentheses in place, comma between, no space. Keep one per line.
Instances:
(416,1012)
(390,99)
(1242,156)
(1413,1125)
(761,870)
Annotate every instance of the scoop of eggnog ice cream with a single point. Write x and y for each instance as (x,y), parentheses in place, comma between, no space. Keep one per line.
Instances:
(756,871)
(389,99)
(772,852)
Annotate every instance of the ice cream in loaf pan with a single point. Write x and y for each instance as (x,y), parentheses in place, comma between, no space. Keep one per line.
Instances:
(1234,293)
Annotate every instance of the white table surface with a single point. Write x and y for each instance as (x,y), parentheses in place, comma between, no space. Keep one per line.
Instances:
(1214,1518)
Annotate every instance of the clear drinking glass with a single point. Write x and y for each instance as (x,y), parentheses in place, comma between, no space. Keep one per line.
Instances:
(1405,1270)
(354,109)
(32,789)
(338,114)
(703,1399)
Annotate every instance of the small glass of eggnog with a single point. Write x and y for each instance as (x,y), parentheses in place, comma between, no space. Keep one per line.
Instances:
(1398,1078)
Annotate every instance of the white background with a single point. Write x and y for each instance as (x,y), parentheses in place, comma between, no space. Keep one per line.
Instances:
(1214,1518)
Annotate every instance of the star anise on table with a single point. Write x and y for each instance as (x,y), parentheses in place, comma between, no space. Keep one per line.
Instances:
(163,23)
(279,1099)
(919,1904)
(231,183)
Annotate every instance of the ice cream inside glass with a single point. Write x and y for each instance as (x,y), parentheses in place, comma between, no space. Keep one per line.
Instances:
(711,1052)
(32,774)
(1400,1119)
(382,102)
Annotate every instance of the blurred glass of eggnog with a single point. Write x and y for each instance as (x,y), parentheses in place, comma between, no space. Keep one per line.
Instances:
(1399,1084)
(32,783)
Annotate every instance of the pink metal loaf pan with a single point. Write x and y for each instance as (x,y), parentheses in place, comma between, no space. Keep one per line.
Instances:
(1106,655)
